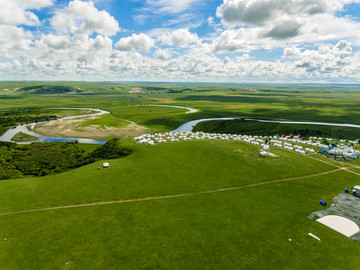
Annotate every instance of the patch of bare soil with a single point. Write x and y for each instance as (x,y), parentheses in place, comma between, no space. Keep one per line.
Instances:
(272,154)
(73,128)
(136,90)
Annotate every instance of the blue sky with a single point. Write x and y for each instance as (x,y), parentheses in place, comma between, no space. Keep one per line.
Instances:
(181,40)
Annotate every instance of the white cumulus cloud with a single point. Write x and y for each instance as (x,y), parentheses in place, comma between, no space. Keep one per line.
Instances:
(327,59)
(81,17)
(34,4)
(16,12)
(14,38)
(237,40)
(162,54)
(170,6)
(180,36)
(259,12)
(140,42)
(272,24)
(317,42)
(292,52)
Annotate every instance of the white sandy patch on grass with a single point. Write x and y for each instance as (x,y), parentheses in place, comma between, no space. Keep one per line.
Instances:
(340,224)
(73,128)
(136,90)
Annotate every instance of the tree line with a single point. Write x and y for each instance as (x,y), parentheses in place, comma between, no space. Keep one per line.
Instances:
(9,118)
(40,159)
(248,127)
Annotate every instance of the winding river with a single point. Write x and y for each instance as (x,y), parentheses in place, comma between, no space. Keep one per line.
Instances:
(186,127)
(7,136)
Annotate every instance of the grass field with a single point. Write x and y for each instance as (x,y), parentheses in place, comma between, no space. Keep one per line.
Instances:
(106,121)
(244,228)
(328,103)
(186,205)
(22,137)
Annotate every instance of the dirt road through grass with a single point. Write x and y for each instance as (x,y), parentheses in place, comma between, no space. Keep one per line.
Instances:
(171,196)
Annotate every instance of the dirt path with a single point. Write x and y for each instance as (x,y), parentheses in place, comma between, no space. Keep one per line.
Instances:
(171,196)
(342,163)
(343,168)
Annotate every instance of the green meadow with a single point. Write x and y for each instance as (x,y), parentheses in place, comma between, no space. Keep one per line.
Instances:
(338,103)
(186,205)
(22,137)
(244,228)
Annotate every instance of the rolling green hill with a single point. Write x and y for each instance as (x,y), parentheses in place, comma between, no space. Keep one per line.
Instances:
(187,205)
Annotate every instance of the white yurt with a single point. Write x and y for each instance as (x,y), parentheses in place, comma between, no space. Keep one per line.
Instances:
(106,165)
(263,154)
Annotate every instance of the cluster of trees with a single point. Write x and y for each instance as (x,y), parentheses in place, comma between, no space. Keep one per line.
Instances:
(9,118)
(48,89)
(110,150)
(246,127)
(39,159)
(172,91)
(155,88)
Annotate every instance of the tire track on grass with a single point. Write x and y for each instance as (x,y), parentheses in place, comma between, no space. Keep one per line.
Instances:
(170,196)
(343,168)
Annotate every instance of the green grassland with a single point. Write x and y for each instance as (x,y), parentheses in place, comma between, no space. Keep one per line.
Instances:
(106,121)
(22,137)
(342,109)
(338,103)
(55,88)
(155,118)
(247,228)
(186,205)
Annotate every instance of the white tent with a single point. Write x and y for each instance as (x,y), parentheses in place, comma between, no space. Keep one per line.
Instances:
(340,224)
(263,154)
(106,165)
